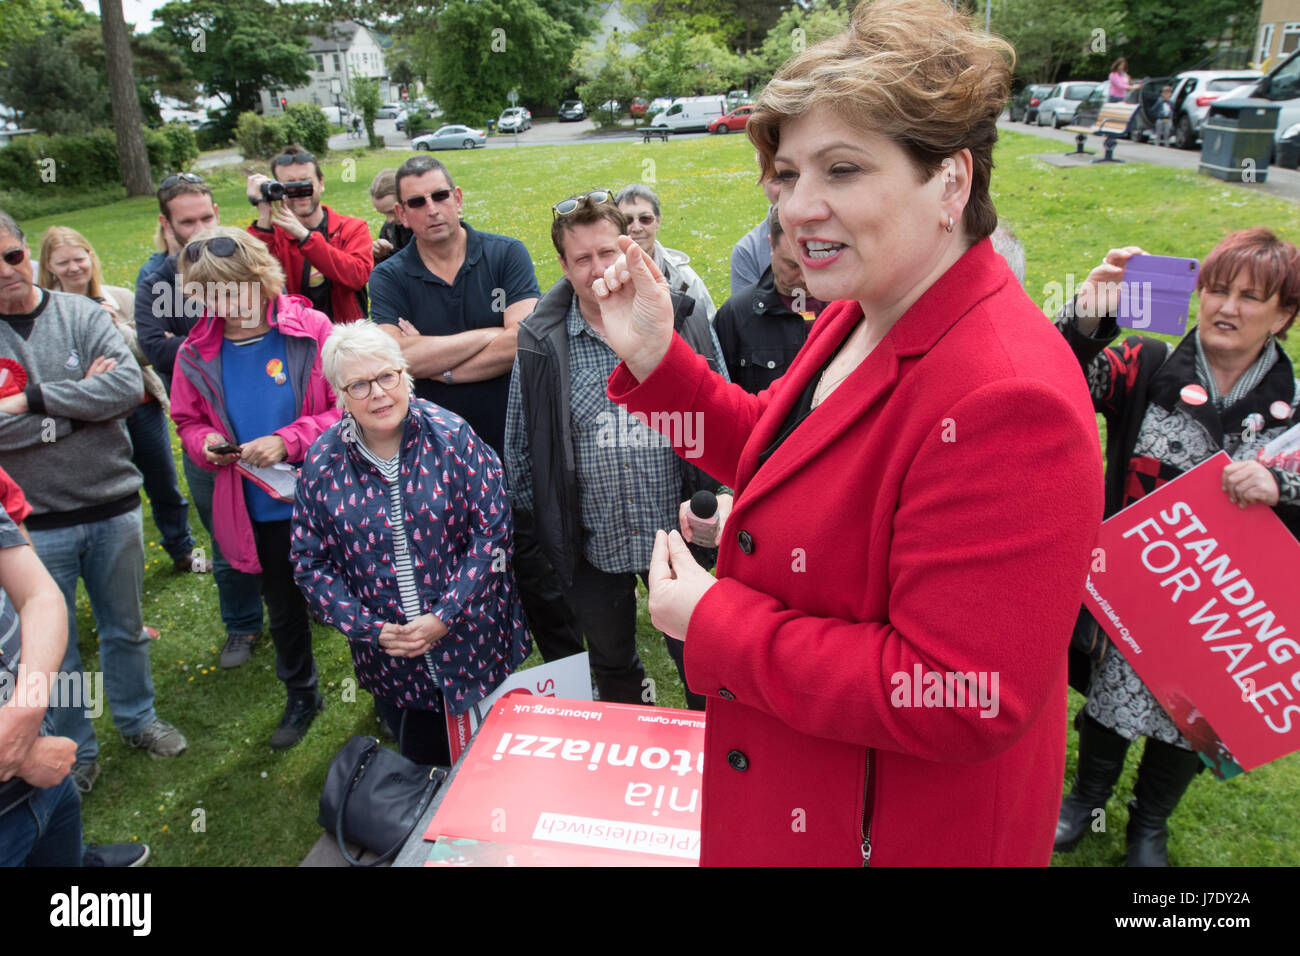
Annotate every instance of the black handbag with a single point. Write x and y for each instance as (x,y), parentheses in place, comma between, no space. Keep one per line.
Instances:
(375,797)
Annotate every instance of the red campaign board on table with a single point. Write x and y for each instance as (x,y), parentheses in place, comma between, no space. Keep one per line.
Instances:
(581,783)
(1201,597)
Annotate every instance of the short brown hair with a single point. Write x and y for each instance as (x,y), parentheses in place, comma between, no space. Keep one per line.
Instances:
(587,213)
(914,71)
(293,149)
(1272,263)
(181,187)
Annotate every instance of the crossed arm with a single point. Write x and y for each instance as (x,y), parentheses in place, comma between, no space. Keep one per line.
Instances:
(472,356)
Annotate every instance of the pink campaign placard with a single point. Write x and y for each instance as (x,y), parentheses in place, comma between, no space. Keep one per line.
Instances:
(564,782)
(1202,598)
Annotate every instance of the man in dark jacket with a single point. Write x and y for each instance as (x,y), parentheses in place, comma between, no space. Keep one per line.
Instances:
(593,481)
(762,327)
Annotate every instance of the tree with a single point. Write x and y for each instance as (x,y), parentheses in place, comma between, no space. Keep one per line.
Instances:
(1049,35)
(237,48)
(128,124)
(606,75)
(26,20)
(365,99)
(795,31)
(53,90)
(485,48)
(158,67)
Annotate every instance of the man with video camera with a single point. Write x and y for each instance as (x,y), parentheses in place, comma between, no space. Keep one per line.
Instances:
(325,255)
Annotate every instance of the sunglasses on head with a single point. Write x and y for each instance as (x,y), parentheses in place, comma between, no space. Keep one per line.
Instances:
(14,257)
(566,207)
(417,202)
(175,178)
(220,246)
(291,159)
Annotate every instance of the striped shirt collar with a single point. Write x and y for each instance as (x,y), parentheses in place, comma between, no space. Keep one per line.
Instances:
(1244,385)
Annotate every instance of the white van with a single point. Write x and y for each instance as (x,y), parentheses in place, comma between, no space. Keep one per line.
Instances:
(690,113)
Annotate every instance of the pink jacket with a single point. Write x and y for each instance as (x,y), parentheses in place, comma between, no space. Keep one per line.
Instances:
(199,408)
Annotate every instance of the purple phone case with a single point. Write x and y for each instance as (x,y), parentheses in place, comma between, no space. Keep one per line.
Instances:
(1155,293)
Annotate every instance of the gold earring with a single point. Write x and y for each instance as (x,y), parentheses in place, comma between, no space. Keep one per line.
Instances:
(948,228)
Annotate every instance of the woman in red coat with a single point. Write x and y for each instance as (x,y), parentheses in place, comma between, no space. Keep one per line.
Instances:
(884,647)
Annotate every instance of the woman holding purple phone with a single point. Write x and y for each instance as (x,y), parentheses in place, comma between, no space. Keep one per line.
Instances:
(1227,386)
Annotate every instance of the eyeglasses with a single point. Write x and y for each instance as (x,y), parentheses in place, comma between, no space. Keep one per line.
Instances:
(646,219)
(175,178)
(567,207)
(293,159)
(14,257)
(417,202)
(362,388)
(220,246)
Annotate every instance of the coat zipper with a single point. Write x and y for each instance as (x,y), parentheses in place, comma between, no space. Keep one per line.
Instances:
(867,808)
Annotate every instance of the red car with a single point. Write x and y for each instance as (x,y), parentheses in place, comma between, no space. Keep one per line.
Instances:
(734,120)
(638,106)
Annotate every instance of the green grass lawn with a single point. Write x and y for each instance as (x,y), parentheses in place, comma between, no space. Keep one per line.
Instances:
(259,807)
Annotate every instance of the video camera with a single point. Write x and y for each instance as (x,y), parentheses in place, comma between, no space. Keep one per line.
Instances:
(273,191)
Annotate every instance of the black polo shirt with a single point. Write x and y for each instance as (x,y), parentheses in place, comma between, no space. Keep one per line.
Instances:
(760,335)
(402,287)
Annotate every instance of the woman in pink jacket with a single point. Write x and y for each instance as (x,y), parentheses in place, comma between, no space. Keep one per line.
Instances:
(248,389)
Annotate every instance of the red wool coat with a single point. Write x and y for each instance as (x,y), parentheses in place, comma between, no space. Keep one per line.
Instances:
(935,514)
(345,259)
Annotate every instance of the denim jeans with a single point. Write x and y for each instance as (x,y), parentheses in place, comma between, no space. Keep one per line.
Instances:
(45,830)
(153,456)
(109,556)
(238,594)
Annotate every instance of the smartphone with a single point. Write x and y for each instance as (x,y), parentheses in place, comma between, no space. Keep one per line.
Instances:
(225,448)
(1156,292)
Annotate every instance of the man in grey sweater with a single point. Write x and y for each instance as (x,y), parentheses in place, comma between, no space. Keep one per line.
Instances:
(67,380)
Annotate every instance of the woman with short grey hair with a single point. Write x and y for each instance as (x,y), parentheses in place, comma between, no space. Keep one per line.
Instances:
(401,539)
(641,206)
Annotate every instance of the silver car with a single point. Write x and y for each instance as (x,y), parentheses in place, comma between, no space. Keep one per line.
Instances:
(1194,91)
(516,118)
(1058,108)
(451,137)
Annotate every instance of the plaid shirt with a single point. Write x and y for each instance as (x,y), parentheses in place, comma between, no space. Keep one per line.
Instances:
(629,476)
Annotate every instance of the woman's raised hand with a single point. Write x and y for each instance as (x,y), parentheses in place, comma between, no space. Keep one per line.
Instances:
(636,309)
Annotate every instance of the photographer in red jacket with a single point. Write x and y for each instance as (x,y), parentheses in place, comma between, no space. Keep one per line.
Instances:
(325,255)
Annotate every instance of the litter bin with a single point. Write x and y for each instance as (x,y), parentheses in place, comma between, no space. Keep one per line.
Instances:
(492,126)
(1238,137)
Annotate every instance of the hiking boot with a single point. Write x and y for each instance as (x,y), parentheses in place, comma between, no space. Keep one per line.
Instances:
(84,774)
(115,854)
(160,738)
(1101,760)
(238,650)
(1164,775)
(299,712)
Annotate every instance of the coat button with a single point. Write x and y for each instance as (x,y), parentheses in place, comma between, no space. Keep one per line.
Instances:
(738,760)
(726,694)
(771,364)
(746,542)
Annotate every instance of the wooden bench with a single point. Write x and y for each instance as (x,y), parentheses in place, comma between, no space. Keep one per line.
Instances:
(1112,121)
(650,131)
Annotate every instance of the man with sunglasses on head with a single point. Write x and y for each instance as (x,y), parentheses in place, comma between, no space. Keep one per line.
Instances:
(67,382)
(163,319)
(326,256)
(594,482)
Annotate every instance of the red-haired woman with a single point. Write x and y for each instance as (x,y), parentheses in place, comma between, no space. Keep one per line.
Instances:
(1243,394)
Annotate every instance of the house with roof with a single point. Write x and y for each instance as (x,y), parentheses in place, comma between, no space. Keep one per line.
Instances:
(351,50)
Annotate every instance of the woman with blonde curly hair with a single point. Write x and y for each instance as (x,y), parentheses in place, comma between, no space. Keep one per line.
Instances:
(248,388)
(884,646)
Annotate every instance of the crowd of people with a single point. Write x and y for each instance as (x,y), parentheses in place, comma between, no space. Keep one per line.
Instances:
(405,438)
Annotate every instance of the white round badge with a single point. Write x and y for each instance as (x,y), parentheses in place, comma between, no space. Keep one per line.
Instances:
(1279,410)
(1193,395)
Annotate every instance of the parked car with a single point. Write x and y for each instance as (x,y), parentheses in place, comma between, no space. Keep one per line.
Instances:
(388,111)
(612,107)
(1194,91)
(516,119)
(638,106)
(1024,105)
(732,121)
(572,110)
(451,137)
(1061,104)
(691,113)
(1281,87)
